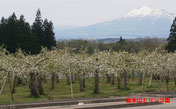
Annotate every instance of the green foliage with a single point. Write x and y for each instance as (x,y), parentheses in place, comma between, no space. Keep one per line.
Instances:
(171,47)
(78,46)
(149,44)
(18,34)
(48,38)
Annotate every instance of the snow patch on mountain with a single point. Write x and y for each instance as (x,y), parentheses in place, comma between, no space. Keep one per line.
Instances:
(147,11)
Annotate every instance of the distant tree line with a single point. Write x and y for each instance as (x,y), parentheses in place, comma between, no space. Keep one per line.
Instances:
(17,33)
(149,44)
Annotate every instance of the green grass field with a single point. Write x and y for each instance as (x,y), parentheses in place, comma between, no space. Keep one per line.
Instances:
(62,90)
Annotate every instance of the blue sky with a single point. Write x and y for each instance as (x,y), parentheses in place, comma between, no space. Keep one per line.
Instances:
(79,12)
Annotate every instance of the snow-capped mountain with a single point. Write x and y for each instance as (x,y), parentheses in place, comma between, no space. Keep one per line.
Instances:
(146,11)
(141,22)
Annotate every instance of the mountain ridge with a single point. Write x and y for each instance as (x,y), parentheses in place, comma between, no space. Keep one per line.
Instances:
(141,22)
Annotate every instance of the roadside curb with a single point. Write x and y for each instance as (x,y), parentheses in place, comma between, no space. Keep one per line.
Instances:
(59,103)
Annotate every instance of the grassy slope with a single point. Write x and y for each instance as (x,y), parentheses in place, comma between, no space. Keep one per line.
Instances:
(62,90)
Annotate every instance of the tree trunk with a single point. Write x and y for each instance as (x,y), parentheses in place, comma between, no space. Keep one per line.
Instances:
(167,82)
(44,79)
(3,85)
(26,81)
(39,80)
(113,79)
(57,78)
(159,81)
(84,82)
(19,81)
(143,78)
(52,81)
(68,79)
(132,76)
(81,83)
(34,90)
(125,80)
(140,78)
(14,84)
(108,78)
(72,78)
(96,89)
(174,78)
(118,83)
(129,76)
(10,86)
(150,81)
(75,76)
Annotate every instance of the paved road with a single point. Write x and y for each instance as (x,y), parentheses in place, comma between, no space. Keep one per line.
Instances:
(112,105)
(82,106)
